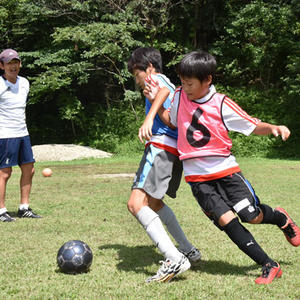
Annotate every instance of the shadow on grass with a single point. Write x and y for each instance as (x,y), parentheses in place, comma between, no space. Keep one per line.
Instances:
(135,258)
(220,267)
(59,271)
(223,268)
(139,257)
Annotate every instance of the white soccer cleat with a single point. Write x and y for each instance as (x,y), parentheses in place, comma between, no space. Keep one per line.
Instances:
(169,270)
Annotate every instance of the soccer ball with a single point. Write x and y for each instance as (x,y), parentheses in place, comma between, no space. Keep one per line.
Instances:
(74,257)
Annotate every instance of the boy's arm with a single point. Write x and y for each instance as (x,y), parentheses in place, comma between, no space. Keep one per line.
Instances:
(157,97)
(266,128)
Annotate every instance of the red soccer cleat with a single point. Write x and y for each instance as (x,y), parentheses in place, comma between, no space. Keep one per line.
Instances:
(290,229)
(269,272)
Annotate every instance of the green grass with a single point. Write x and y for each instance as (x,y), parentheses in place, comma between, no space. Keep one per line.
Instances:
(77,204)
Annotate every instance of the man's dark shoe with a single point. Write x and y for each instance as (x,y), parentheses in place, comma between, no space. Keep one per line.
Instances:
(6,217)
(27,213)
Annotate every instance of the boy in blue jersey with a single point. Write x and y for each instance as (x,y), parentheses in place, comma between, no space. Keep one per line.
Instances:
(159,173)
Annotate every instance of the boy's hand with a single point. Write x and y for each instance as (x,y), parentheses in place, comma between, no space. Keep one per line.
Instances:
(148,93)
(281,130)
(263,128)
(156,96)
(151,89)
(145,131)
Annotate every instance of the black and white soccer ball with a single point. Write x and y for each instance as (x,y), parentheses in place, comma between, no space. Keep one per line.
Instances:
(74,257)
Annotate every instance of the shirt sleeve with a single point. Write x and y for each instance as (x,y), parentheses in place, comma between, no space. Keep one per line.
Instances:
(153,79)
(174,108)
(159,81)
(236,119)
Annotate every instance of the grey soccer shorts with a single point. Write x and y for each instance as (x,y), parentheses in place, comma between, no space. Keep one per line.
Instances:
(159,173)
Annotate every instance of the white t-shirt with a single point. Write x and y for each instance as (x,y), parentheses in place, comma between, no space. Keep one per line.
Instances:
(13,97)
(212,167)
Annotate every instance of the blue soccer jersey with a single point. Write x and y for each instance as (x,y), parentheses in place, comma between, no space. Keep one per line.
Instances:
(159,127)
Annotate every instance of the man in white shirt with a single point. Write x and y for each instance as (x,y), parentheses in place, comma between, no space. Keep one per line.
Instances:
(15,146)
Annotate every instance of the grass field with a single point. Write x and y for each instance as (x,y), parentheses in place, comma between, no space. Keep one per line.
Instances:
(76,203)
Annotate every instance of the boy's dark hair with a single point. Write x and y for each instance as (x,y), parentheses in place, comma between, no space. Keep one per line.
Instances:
(141,58)
(198,64)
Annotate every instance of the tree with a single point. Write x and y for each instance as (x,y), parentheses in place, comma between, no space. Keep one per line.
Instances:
(74,52)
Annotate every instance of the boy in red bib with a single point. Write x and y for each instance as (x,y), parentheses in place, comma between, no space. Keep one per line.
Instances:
(203,118)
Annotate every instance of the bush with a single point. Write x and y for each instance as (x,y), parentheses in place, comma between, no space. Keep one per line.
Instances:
(108,129)
(115,129)
(260,104)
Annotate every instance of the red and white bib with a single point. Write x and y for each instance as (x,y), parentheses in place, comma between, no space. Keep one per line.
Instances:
(201,130)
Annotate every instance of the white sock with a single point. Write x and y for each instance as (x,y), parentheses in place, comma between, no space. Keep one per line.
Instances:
(3,210)
(24,206)
(169,219)
(156,231)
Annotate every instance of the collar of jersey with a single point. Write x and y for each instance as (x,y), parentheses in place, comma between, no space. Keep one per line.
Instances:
(212,90)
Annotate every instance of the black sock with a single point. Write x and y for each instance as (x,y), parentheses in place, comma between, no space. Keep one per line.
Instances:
(246,242)
(272,216)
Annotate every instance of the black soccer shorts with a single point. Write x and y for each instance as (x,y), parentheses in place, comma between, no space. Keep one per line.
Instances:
(232,192)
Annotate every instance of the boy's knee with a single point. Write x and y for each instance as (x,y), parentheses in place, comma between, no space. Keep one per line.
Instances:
(251,215)
(136,201)
(258,219)
(130,206)
(254,220)
(226,218)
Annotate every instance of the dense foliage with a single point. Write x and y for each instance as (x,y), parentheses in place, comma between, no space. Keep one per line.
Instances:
(75,52)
